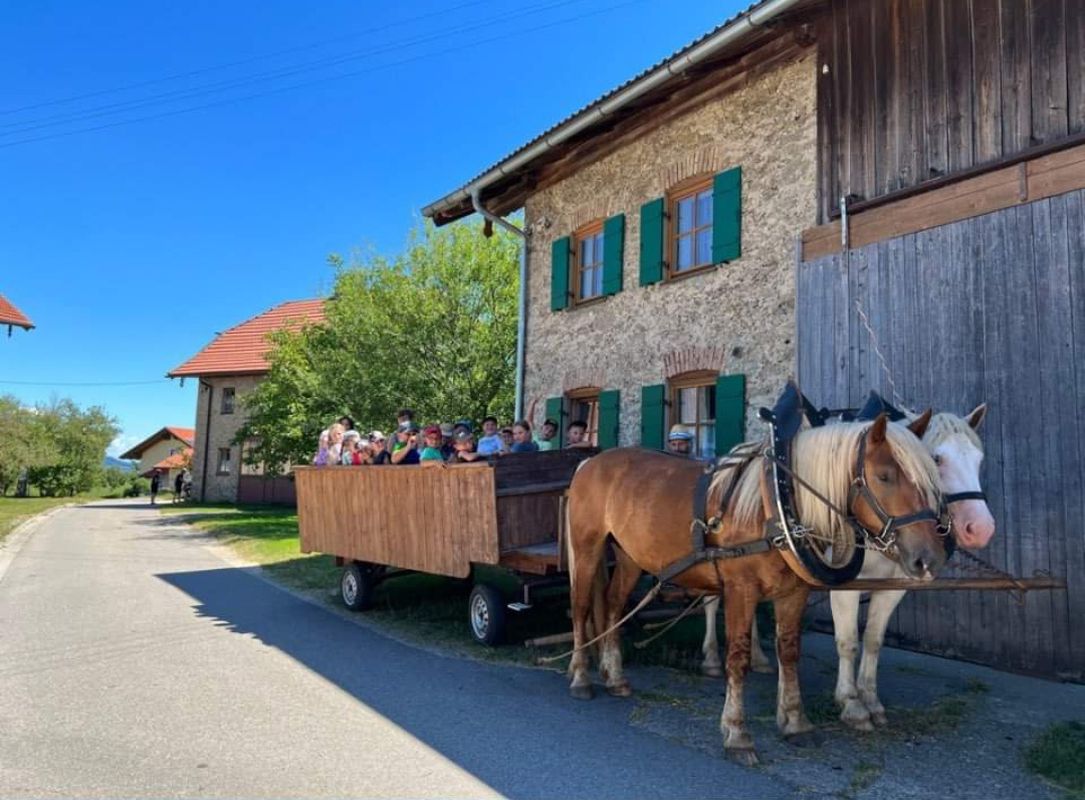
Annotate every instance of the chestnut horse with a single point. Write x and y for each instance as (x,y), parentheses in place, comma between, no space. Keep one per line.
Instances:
(643,500)
(958,453)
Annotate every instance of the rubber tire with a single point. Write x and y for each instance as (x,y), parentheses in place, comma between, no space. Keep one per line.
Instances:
(488,601)
(357,585)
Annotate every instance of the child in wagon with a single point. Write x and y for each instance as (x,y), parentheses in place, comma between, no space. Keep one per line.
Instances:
(331,446)
(431,452)
(463,444)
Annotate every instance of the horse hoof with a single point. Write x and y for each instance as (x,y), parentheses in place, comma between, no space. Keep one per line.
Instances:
(861,724)
(747,757)
(804,739)
(712,672)
(584,692)
(879,718)
(622,689)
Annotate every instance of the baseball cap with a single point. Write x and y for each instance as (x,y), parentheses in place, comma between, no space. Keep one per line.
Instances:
(447,429)
(465,423)
(464,436)
(432,430)
(680,435)
(376,436)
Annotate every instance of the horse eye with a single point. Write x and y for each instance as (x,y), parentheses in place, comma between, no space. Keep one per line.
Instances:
(937,459)
(883,477)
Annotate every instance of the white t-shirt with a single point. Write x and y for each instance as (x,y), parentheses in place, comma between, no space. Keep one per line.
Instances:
(488,445)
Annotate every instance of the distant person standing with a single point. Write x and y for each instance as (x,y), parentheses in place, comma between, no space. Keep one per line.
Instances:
(154,485)
(178,486)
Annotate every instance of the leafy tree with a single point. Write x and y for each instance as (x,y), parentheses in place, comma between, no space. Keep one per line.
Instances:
(60,445)
(22,444)
(433,329)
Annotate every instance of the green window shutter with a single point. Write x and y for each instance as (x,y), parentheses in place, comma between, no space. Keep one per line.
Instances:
(651,241)
(608,418)
(613,250)
(730,412)
(559,273)
(727,216)
(652,415)
(555,410)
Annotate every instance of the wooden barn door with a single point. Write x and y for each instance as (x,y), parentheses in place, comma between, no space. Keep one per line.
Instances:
(988,309)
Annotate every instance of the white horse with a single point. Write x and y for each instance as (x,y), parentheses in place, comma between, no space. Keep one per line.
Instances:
(958,452)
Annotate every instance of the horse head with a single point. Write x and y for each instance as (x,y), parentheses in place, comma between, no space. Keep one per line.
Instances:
(901,494)
(958,453)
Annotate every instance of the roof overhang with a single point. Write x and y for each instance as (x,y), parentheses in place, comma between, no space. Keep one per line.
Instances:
(135,452)
(504,187)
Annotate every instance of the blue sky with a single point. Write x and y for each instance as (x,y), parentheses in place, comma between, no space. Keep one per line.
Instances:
(130,246)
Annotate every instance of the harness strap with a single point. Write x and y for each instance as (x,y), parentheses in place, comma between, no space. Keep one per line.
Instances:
(753,548)
(958,496)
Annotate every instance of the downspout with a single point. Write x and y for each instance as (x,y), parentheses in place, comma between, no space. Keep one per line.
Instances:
(521,311)
(206,439)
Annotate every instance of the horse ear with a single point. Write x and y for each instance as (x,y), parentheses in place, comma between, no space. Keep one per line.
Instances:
(876,434)
(976,416)
(918,426)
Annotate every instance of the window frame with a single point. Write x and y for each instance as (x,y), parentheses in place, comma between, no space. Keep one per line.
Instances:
(592,229)
(695,379)
(228,392)
(590,396)
(228,461)
(690,187)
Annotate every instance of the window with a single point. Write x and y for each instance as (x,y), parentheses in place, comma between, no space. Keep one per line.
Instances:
(693,408)
(588,262)
(690,228)
(224,461)
(228,400)
(584,407)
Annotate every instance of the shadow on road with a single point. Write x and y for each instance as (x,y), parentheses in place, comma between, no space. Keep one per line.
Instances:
(515,729)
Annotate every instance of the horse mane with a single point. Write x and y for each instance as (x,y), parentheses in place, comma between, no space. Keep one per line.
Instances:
(945,425)
(825,458)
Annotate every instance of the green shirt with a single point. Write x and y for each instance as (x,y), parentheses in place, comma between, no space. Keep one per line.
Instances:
(431,454)
(547,444)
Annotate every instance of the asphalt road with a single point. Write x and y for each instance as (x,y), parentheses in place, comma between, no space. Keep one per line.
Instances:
(135,662)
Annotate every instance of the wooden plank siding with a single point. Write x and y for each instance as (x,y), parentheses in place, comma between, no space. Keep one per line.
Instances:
(422,518)
(992,309)
(914,90)
(1025,182)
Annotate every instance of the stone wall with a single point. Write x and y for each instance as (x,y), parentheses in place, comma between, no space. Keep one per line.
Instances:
(733,318)
(220,487)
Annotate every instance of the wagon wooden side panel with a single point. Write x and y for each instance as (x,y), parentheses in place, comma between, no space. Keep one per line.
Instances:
(420,518)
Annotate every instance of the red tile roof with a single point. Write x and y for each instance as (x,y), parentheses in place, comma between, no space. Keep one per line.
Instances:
(243,349)
(10,315)
(176,461)
(186,435)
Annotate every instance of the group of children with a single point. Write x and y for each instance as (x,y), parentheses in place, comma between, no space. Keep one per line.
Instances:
(446,443)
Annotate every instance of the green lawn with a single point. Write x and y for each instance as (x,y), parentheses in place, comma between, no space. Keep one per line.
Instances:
(14,510)
(427,609)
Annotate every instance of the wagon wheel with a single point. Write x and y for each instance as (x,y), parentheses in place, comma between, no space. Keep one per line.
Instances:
(358,583)
(831,561)
(486,613)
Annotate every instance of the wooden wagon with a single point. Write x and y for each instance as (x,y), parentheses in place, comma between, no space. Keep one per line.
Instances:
(444,520)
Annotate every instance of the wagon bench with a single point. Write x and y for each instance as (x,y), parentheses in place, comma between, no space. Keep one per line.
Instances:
(442,520)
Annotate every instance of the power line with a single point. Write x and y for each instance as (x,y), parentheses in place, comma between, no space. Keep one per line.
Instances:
(241,62)
(176,95)
(92,383)
(329,79)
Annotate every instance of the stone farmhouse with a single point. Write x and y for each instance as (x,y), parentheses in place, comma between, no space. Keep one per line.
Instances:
(811,189)
(227,368)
